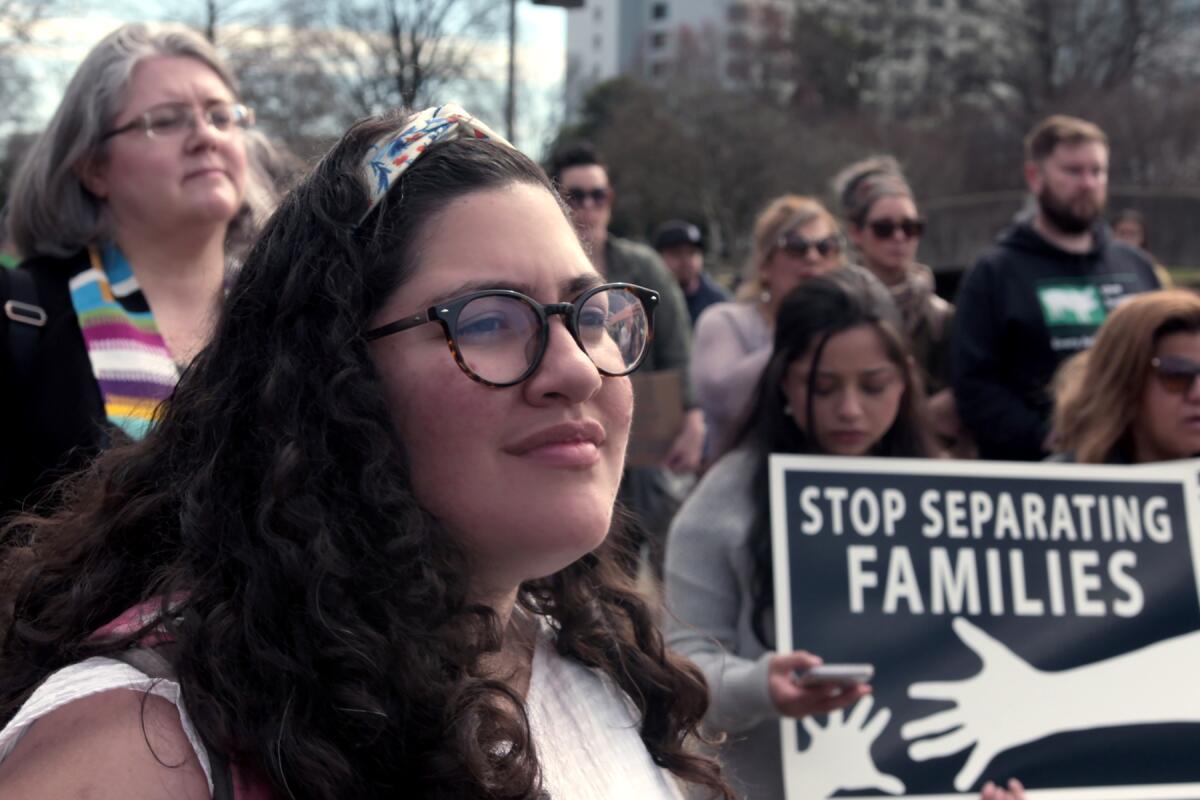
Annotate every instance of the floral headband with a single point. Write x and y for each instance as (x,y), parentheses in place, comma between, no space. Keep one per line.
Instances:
(388,159)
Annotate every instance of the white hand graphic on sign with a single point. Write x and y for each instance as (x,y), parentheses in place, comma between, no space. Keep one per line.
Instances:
(1104,694)
(981,698)
(841,749)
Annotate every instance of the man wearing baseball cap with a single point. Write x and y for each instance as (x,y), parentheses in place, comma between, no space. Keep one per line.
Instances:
(681,245)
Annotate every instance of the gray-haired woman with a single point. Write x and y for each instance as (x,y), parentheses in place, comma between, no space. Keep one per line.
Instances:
(125,211)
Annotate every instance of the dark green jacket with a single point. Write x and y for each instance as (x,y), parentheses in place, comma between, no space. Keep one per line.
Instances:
(630,262)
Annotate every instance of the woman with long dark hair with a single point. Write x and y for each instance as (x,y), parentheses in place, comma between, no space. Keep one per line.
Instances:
(840,381)
(369,548)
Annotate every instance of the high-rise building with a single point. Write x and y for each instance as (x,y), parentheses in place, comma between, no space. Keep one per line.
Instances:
(648,38)
(908,44)
(913,41)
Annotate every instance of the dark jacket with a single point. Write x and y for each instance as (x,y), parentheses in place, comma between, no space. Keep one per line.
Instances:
(630,262)
(707,293)
(1024,308)
(648,491)
(54,422)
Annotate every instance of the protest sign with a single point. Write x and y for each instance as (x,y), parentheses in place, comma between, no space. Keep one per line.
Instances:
(1032,620)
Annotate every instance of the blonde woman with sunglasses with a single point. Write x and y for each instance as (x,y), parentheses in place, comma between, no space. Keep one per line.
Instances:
(1133,397)
(795,239)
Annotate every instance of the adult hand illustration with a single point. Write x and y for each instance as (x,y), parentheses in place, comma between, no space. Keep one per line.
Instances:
(1108,693)
(984,716)
(842,750)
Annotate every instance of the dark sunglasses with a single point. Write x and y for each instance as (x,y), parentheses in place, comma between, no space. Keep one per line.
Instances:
(498,336)
(577,197)
(1176,375)
(886,228)
(796,245)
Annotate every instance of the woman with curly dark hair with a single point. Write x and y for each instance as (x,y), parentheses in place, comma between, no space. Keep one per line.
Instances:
(368,548)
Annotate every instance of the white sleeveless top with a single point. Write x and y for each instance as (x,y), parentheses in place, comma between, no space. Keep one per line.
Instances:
(90,677)
(584,727)
(585,731)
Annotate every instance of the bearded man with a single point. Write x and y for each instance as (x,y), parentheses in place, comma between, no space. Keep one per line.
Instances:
(1038,296)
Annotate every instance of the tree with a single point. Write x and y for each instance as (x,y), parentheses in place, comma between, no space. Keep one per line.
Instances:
(832,60)
(402,53)
(223,21)
(14,148)
(1101,44)
(322,65)
(18,18)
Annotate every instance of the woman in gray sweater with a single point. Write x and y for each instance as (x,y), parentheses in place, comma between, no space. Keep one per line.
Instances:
(839,381)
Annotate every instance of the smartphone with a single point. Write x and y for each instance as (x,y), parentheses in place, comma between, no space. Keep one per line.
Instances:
(846,674)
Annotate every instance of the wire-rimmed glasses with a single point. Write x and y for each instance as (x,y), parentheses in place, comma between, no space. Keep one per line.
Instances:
(171,119)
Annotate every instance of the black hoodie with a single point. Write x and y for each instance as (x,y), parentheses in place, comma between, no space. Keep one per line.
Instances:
(1024,308)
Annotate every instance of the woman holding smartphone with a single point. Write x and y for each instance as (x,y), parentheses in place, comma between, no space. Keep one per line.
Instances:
(839,381)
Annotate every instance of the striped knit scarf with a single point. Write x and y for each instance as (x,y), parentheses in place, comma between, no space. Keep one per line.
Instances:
(129,357)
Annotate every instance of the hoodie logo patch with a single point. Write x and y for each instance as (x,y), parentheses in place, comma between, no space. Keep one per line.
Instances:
(1071,305)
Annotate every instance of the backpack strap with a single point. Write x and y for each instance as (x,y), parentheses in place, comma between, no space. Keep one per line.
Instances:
(153,663)
(25,319)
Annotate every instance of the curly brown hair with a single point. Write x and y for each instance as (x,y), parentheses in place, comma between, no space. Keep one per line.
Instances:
(323,632)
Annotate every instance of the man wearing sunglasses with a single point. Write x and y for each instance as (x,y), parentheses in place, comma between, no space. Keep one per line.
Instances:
(1039,295)
(582,179)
